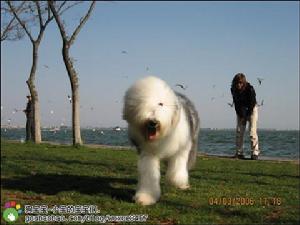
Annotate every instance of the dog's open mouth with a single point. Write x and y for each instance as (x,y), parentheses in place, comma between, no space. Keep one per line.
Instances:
(151,134)
(152,129)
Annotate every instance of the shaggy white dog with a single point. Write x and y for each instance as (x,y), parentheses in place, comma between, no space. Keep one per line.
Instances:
(162,124)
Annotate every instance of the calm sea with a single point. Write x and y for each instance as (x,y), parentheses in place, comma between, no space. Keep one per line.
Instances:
(273,143)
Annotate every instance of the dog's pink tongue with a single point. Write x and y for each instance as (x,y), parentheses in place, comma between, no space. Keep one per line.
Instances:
(152,135)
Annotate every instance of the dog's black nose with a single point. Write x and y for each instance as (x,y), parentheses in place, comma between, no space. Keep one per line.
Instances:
(153,124)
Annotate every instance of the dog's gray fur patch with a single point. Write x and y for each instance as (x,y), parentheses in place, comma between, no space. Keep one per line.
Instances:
(194,124)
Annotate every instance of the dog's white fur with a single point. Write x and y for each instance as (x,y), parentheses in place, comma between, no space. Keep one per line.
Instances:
(152,99)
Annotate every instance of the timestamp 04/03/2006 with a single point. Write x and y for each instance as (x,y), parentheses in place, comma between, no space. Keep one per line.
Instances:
(245,201)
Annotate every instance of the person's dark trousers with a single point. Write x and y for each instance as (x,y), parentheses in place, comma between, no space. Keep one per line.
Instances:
(29,129)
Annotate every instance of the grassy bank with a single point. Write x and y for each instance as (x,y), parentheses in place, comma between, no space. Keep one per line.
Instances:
(223,191)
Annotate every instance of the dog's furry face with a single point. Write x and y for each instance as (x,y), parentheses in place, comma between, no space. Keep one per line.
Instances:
(151,107)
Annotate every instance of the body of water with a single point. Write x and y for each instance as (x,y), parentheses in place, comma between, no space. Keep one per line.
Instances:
(273,143)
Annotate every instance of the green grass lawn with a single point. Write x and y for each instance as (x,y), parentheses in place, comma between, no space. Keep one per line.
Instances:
(260,192)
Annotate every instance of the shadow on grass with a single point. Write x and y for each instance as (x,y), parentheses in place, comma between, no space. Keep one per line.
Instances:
(84,162)
(52,184)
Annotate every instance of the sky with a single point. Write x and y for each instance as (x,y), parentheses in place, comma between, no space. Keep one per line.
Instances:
(199,44)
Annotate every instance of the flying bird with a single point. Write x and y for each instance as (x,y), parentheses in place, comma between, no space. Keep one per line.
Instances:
(124,52)
(184,87)
(262,103)
(73,60)
(230,104)
(70,99)
(46,66)
(16,110)
(260,80)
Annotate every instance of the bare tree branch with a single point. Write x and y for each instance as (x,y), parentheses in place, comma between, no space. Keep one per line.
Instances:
(82,22)
(67,7)
(58,20)
(62,5)
(60,11)
(39,13)
(13,10)
(49,12)
(12,26)
(7,28)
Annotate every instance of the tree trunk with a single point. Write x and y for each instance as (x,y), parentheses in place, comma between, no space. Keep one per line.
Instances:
(76,116)
(34,94)
(75,95)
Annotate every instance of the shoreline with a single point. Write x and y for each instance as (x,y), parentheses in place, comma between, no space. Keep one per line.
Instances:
(261,158)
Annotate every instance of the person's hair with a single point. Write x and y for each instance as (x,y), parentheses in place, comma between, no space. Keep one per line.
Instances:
(239,77)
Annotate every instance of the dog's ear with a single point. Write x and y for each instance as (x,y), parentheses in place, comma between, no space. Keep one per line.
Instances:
(176,115)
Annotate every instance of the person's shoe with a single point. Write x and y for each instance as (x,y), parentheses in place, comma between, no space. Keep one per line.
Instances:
(239,156)
(254,157)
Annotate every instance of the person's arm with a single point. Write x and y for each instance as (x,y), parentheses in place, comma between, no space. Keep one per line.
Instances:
(234,100)
(252,96)
(27,109)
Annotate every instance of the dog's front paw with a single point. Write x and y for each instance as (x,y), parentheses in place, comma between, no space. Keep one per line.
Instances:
(144,199)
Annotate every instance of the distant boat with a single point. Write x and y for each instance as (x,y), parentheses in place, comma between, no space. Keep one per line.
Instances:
(55,129)
(117,128)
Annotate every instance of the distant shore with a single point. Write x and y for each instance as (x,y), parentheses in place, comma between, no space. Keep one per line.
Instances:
(49,128)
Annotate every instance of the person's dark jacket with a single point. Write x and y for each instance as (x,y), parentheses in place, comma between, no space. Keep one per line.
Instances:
(29,109)
(244,101)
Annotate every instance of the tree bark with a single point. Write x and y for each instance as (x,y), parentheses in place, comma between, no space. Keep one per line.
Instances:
(76,134)
(34,94)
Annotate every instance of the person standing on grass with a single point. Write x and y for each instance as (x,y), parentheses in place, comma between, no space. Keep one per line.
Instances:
(244,99)
(29,119)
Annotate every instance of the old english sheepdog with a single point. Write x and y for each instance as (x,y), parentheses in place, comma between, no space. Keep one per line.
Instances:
(163,125)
